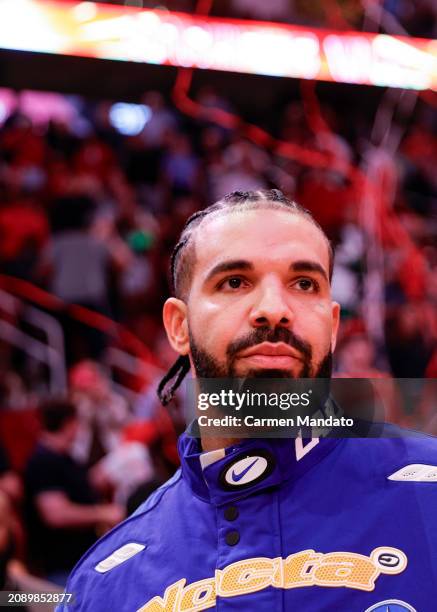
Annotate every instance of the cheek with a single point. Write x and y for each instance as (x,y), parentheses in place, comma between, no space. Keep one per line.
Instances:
(315,325)
(215,327)
(321,313)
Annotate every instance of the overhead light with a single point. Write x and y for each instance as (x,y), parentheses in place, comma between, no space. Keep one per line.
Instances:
(129,119)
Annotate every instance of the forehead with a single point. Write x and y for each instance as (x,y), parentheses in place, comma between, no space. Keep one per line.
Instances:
(261,236)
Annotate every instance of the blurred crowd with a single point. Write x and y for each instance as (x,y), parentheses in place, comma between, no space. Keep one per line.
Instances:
(90,462)
(90,215)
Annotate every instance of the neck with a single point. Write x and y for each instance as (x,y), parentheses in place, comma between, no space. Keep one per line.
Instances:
(212,438)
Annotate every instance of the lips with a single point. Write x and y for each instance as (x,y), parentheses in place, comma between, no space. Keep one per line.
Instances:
(269,355)
(278,349)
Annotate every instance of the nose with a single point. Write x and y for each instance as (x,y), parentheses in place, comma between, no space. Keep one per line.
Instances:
(271,307)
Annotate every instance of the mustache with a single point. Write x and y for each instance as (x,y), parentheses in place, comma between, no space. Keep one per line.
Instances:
(266,334)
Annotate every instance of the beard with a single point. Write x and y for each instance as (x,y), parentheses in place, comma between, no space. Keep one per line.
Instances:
(207,366)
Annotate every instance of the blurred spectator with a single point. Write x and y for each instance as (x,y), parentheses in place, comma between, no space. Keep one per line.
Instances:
(329,196)
(75,262)
(13,392)
(162,120)
(349,257)
(180,167)
(409,345)
(356,353)
(209,98)
(356,357)
(124,469)
(294,126)
(137,280)
(63,514)
(77,265)
(243,167)
(102,413)
(24,231)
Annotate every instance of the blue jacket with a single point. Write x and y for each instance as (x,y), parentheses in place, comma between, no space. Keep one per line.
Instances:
(327,525)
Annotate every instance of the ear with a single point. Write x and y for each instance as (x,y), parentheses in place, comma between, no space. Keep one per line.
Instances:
(174,315)
(335,324)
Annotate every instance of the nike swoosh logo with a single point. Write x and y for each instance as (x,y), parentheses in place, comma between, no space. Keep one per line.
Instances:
(237,477)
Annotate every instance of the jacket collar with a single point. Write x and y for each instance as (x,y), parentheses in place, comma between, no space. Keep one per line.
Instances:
(249,466)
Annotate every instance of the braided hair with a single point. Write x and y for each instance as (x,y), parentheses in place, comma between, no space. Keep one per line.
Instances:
(183,257)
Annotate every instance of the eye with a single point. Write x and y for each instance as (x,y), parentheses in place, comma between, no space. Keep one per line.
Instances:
(308,285)
(232,283)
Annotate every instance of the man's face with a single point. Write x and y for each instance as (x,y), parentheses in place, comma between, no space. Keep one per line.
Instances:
(259,302)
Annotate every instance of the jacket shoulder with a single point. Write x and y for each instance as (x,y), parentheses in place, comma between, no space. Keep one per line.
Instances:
(393,449)
(118,545)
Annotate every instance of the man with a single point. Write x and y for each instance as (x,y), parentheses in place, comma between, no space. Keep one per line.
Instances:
(267,524)
(62,508)
(102,413)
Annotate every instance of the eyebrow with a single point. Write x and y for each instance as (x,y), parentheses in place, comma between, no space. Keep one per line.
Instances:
(308,266)
(229,266)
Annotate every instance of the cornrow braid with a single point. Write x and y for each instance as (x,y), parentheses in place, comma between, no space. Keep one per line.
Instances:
(183,256)
(178,371)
